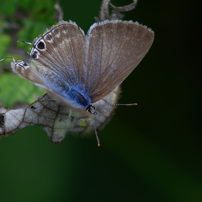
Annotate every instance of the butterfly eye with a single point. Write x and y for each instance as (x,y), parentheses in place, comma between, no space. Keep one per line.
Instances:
(41,45)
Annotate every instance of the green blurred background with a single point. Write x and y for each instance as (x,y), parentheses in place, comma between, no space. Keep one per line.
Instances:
(148,153)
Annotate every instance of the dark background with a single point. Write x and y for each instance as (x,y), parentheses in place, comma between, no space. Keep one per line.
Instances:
(148,153)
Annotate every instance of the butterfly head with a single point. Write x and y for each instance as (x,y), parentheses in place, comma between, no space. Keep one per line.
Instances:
(91,109)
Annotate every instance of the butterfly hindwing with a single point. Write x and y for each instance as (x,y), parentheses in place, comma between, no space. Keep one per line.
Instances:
(28,72)
(54,85)
(115,49)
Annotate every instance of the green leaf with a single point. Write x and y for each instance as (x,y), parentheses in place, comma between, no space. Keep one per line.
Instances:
(44,11)
(26,4)
(5,42)
(15,89)
(8,7)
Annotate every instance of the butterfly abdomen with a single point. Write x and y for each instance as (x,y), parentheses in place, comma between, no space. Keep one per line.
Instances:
(79,98)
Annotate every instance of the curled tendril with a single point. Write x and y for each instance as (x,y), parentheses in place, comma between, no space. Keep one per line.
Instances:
(116,11)
(58,11)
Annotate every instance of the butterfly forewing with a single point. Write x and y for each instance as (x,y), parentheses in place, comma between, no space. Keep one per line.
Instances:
(115,49)
(61,50)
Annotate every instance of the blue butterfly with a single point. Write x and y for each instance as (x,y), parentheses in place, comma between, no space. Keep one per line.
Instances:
(79,70)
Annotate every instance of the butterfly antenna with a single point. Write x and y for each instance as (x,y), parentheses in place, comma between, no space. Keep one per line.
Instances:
(25,42)
(128,105)
(131,104)
(98,140)
(8,57)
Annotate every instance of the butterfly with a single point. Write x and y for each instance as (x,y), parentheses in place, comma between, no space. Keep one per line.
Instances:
(78,69)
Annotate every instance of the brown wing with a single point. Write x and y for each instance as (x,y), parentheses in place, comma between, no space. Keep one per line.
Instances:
(28,72)
(51,83)
(61,50)
(115,49)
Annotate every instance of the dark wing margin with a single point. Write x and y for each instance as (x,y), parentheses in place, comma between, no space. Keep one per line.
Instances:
(115,48)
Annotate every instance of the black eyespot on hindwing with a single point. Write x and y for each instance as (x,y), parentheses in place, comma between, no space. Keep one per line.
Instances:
(35,54)
(41,45)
